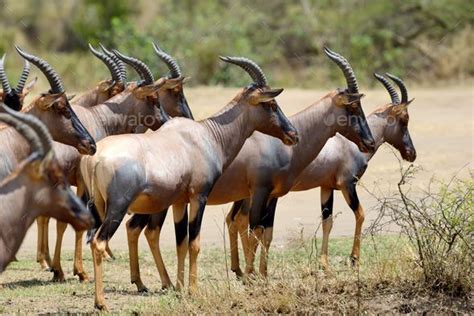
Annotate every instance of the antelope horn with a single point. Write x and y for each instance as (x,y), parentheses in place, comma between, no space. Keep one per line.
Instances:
(249,66)
(24,75)
(52,76)
(3,77)
(401,86)
(168,60)
(113,68)
(120,64)
(36,125)
(138,65)
(346,68)
(25,130)
(389,87)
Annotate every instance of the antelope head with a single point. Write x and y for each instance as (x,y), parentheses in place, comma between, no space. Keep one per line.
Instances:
(259,100)
(47,191)
(351,122)
(396,114)
(171,93)
(108,88)
(143,96)
(53,109)
(14,97)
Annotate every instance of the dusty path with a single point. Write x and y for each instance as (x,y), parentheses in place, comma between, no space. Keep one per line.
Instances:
(441,125)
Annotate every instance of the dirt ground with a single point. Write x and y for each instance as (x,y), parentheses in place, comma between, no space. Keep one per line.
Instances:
(441,126)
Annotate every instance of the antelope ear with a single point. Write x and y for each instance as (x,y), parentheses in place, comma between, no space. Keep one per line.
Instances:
(48,100)
(186,79)
(408,103)
(268,95)
(173,82)
(344,99)
(29,86)
(70,97)
(146,91)
(106,85)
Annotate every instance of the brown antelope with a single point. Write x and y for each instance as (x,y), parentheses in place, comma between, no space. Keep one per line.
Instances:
(170,96)
(14,97)
(264,169)
(36,186)
(69,157)
(338,166)
(176,165)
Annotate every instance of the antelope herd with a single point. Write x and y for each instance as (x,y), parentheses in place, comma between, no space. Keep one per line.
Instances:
(134,147)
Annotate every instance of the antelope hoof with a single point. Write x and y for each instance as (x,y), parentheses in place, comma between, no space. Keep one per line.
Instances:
(238,273)
(354,262)
(58,276)
(44,265)
(324,263)
(83,277)
(101,306)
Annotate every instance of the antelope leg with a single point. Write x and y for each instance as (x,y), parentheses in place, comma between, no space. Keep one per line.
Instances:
(267,223)
(134,226)
(180,217)
(152,233)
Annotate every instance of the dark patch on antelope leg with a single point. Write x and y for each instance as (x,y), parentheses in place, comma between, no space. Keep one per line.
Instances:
(354,199)
(181,228)
(327,206)
(139,221)
(236,208)
(268,217)
(157,220)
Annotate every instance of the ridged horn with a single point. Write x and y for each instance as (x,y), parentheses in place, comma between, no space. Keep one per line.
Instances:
(138,65)
(52,76)
(346,68)
(173,66)
(401,85)
(3,77)
(249,66)
(25,130)
(35,124)
(113,68)
(389,87)
(24,75)
(120,64)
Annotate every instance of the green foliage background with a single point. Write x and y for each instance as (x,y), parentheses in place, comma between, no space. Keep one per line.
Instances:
(422,41)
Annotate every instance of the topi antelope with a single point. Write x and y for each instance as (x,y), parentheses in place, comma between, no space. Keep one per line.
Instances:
(14,97)
(37,186)
(69,157)
(264,169)
(171,97)
(339,166)
(176,165)
(54,110)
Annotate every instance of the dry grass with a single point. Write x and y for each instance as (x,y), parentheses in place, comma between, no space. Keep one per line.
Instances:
(386,282)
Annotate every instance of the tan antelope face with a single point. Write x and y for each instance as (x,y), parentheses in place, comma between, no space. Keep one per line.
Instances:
(172,97)
(396,131)
(266,113)
(52,195)
(65,127)
(351,123)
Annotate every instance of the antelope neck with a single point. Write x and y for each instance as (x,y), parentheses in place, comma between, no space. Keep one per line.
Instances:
(229,129)
(315,125)
(109,118)
(377,123)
